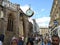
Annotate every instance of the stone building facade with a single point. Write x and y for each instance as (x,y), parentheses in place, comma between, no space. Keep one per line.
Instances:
(43,31)
(24,23)
(30,31)
(55,16)
(13,22)
(9,20)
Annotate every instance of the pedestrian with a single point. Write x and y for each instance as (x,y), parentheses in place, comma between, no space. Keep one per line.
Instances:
(39,41)
(55,40)
(1,42)
(30,39)
(29,43)
(14,42)
(20,41)
(1,39)
(45,41)
(23,38)
(49,41)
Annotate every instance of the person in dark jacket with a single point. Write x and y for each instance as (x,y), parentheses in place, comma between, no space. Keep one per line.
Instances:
(20,41)
(2,37)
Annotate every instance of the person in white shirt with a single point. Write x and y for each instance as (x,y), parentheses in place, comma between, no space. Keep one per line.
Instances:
(1,43)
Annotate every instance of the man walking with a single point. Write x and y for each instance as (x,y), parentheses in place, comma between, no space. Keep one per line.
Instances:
(20,42)
(55,40)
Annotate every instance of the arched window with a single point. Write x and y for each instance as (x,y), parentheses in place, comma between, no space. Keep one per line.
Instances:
(10,23)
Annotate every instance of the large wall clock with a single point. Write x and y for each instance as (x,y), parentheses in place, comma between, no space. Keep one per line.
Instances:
(29,12)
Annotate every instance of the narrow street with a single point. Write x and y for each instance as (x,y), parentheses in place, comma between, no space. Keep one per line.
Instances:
(29,22)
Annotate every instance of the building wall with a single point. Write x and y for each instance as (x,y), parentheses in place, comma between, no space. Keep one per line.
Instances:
(30,31)
(55,14)
(24,23)
(10,34)
(35,26)
(43,31)
(20,26)
(21,33)
(15,14)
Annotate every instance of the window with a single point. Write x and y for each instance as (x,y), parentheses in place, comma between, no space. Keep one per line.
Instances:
(10,23)
(21,16)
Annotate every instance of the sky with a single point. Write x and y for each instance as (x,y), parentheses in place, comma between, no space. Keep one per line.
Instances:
(41,10)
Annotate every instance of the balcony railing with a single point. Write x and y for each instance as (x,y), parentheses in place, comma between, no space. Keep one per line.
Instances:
(9,5)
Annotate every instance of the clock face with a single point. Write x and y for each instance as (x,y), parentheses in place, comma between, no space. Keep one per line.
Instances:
(29,12)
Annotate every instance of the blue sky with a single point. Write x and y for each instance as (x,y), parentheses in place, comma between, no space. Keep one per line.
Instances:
(41,8)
